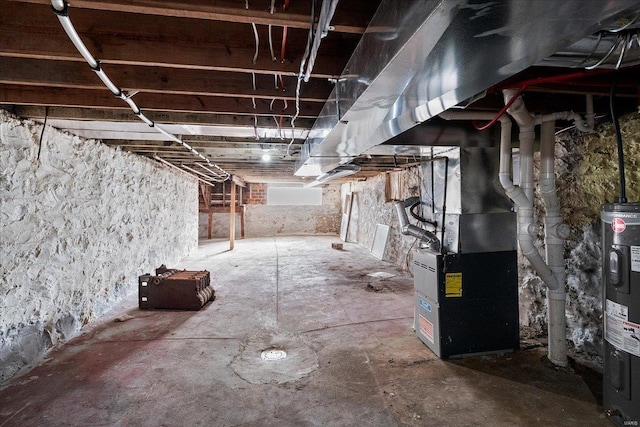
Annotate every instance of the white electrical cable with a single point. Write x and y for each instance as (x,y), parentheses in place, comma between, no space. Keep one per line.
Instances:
(273,57)
(60,9)
(255,126)
(255,34)
(301,74)
(108,83)
(327,10)
(161,160)
(217,175)
(74,37)
(626,41)
(606,56)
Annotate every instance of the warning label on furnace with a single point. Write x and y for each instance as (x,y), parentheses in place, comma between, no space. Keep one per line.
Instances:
(426,328)
(453,285)
(635,258)
(619,331)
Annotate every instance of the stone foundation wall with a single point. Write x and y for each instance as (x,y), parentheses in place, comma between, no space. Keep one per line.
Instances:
(262,220)
(586,177)
(79,221)
(370,208)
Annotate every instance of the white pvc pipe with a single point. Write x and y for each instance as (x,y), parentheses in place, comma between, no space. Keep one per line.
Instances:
(161,160)
(590,116)
(555,234)
(60,6)
(75,39)
(146,119)
(504,173)
(551,272)
(525,122)
(107,82)
(522,196)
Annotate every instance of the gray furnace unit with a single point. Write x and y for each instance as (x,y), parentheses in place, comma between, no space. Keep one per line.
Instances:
(466,293)
(621,301)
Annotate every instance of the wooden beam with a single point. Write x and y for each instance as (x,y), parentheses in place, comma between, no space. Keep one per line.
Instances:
(210,224)
(129,39)
(240,182)
(90,98)
(232,217)
(243,209)
(158,80)
(347,19)
(167,117)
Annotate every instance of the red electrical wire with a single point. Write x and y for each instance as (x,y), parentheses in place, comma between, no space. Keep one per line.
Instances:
(284,43)
(521,86)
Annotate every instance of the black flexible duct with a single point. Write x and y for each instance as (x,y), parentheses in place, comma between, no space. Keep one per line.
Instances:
(412,211)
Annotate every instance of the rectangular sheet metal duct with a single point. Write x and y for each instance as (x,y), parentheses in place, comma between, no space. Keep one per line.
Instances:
(420,58)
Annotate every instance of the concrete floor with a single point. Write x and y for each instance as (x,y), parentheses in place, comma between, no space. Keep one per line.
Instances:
(353,359)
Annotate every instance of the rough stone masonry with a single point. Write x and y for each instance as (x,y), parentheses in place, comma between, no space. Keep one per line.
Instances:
(79,221)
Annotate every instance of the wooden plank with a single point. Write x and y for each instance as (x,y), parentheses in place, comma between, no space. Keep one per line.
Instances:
(348,19)
(148,102)
(167,117)
(116,38)
(174,81)
(243,208)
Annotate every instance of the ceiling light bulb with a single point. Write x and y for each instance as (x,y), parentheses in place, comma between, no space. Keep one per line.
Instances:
(266,157)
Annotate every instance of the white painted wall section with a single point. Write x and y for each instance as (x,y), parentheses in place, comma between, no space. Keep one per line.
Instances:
(78,224)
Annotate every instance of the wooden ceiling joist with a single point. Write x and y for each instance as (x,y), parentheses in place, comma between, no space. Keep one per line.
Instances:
(191,63)
(103,99)
(158,80)
(113,115)
(350,19)
(127,39)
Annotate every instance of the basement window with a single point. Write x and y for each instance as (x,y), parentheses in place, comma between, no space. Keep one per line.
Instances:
(291,194)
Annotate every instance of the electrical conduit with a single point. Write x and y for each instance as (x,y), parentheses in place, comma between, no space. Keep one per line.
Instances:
(60,8)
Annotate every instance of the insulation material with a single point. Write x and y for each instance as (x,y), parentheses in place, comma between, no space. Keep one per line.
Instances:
(587,177)
(78,225)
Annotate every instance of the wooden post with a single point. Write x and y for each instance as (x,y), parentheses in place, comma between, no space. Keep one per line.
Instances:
(232,217)
(210,224)
(242,211)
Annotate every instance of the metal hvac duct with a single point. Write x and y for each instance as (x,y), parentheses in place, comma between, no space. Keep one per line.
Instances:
(420,58)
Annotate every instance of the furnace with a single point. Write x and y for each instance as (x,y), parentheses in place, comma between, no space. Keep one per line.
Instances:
(466,288)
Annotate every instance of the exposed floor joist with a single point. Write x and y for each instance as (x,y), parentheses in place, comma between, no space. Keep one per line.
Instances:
(188,63)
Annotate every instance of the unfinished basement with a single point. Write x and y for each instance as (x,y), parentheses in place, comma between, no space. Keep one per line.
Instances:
(305,212)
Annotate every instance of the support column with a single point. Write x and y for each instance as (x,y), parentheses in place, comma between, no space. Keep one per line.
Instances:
(232,217)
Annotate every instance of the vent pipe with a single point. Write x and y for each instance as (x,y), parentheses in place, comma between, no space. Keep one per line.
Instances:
(409,229)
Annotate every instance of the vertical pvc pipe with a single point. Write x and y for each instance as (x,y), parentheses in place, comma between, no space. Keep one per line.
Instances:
(555,233)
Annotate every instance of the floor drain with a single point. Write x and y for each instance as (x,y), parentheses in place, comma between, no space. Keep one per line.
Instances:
(273,354)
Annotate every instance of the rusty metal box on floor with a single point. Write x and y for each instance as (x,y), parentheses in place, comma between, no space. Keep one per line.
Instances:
(175,289)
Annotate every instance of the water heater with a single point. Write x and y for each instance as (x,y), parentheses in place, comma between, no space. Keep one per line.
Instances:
(621,304)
